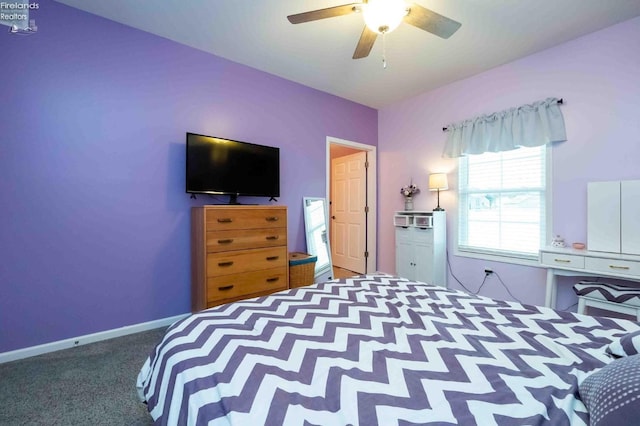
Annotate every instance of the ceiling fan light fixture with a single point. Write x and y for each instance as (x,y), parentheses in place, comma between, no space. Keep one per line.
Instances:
(383,16)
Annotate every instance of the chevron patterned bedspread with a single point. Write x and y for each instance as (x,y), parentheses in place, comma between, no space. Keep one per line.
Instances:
(375,350)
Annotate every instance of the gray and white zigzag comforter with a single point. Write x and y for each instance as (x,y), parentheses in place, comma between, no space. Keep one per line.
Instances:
(375,350)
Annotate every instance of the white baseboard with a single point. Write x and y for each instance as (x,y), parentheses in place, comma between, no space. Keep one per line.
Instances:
(87,338)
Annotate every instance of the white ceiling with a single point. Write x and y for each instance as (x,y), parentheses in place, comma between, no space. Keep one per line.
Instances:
(318,54)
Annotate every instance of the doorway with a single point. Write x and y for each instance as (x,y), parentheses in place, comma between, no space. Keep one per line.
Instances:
(351,171)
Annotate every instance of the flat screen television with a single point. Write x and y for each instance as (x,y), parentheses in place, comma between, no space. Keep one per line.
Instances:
(227,167)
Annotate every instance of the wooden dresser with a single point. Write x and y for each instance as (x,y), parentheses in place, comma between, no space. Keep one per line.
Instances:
(237,252)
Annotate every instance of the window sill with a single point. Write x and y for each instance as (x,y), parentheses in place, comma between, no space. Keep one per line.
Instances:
(497,257)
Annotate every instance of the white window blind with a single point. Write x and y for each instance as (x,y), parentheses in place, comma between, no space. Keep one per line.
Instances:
(502,199)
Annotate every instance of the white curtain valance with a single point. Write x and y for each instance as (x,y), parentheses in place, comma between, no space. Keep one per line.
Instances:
(531,125)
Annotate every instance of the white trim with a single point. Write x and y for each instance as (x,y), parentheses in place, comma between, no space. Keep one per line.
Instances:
(351,144)
(87,338)
(548,207)
(372,194)
(497,257)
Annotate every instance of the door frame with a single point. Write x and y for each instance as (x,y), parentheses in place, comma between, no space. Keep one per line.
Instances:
(372,194)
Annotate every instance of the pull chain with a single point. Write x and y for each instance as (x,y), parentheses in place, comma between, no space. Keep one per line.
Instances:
(384,51)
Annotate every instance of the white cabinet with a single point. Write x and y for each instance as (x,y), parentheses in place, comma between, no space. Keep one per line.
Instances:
(421,246)
(603,211)
(614,217)
(414,249)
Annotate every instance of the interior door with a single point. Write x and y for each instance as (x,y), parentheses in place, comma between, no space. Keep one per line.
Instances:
(348,216)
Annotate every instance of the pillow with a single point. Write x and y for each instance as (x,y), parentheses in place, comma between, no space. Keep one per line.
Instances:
(629,344)
(612,394)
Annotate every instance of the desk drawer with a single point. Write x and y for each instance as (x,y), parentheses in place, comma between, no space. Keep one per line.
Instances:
(558,260)
(234,262)
(613,266)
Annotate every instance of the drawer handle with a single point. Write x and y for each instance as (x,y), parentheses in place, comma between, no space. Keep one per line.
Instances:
(619,267)
(273,258)
(272,218)
(273,280)
(562,260)
(225,220)
(273,237)
(227,241)
(226,287)
(225,264)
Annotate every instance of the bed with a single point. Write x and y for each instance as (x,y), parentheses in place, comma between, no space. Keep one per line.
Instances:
(376,350)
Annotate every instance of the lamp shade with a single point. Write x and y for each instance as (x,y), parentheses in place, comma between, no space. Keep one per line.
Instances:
(438,181)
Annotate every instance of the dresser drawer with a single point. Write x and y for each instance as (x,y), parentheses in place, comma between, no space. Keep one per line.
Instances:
(402,220)
(613,266)
(414,235)
(245,238)
(562,260)
(423,236)
(234,218)
(403,235)
(234,262)
(241,285)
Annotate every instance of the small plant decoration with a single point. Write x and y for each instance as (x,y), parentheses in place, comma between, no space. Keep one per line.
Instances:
(410,190)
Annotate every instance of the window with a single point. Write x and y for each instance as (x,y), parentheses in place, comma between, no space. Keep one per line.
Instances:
(502,203)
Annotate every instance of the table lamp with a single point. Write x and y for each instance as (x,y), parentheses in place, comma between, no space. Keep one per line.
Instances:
(438,182)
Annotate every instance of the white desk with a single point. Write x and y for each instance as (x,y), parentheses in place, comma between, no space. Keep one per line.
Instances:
(585,263)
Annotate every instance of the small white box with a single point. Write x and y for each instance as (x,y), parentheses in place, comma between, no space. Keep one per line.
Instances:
(423,221)
(402,220)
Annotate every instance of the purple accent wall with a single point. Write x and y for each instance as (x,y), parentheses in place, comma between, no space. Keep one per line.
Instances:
(94,220)
(598,77)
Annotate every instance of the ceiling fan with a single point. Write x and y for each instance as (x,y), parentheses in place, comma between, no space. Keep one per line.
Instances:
(382,17)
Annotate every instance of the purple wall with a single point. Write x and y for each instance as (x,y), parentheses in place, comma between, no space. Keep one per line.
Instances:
(94,230)
(598,76)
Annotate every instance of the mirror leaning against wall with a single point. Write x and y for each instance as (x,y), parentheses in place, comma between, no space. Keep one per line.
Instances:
(315,223)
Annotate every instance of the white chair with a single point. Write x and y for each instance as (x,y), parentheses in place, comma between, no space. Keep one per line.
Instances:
(607,296)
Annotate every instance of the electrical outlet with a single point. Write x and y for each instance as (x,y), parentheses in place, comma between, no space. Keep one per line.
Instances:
(488,271)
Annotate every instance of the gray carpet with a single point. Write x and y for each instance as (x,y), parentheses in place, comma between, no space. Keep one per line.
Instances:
(94,384)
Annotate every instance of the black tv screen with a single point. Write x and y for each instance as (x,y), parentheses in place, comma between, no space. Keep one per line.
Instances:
(223,166)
